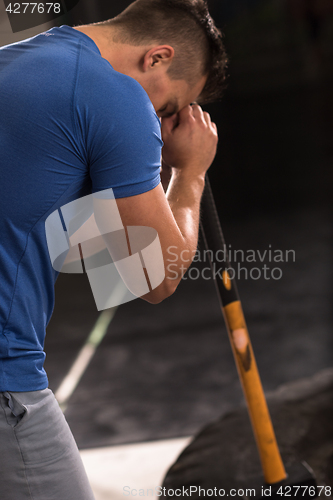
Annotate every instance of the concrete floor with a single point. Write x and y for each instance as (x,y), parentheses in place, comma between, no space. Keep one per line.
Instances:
(165,371)
(119,471)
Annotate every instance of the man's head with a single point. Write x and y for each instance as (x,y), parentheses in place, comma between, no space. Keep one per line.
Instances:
(181,35)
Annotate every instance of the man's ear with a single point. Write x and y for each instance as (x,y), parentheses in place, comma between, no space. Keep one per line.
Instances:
(161,55)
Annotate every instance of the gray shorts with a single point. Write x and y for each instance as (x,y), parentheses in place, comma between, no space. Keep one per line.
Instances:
(39,459)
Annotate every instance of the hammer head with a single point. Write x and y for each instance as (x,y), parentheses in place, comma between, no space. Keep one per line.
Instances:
(300,482)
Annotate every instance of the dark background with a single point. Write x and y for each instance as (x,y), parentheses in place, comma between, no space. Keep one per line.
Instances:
(167,370)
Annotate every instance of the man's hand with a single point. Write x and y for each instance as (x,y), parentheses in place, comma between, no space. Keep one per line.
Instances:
(190,140)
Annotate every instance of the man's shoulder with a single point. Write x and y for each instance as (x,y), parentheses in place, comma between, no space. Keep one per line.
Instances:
(99,75)
(112,93)
(74,53)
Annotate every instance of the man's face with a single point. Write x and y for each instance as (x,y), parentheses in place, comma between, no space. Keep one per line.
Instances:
(170,96)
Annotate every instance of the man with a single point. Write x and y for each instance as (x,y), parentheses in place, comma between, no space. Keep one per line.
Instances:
(77,116)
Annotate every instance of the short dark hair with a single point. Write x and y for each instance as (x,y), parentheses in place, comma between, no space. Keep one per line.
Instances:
(189,28)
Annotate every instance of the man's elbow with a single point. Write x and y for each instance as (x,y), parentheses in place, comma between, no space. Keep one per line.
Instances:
(162,292)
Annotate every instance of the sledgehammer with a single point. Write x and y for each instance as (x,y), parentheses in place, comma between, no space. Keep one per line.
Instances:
(298,480)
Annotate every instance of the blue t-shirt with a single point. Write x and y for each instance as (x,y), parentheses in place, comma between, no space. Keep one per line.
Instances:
(69,125)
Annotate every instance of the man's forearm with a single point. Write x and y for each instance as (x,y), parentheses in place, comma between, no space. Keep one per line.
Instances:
(184,195)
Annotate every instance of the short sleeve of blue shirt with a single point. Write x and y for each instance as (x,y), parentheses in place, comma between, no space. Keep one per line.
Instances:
(118,127)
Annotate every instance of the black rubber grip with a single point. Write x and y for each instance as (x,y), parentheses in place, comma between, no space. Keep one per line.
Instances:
(214,241)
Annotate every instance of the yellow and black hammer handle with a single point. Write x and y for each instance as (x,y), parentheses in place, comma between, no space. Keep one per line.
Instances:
(272,465)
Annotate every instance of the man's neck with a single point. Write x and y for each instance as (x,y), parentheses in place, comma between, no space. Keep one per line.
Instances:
(123,57)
